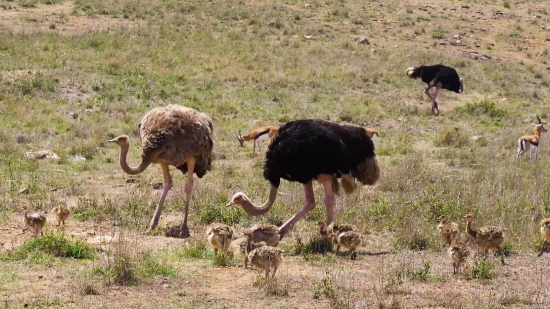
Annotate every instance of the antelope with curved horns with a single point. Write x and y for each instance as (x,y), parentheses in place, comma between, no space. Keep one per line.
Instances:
(531,142)
(258,135)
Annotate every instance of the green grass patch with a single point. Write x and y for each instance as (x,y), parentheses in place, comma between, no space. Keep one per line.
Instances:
(479,108)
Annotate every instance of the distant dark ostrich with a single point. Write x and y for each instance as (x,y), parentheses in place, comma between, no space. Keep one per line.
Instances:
(311,149)
(438,76)
(172,135)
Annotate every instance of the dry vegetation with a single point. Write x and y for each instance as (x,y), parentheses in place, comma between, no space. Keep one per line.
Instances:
(75,74)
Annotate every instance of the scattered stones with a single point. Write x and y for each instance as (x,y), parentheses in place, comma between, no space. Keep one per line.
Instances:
(132,180)
(157,186)
(474,56)
(24,190)
(456,37)
(41,154)
(308,37)
(77,159)
(465,6)
(364,41)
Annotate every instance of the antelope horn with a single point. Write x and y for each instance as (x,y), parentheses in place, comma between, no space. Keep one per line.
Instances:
(538,118)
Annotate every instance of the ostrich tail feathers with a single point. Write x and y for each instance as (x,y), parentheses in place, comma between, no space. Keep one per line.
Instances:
(348,183)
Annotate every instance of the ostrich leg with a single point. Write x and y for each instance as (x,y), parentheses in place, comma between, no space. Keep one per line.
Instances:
(167,185)
(434,104)
(329,199)
(184,233)
(308,205)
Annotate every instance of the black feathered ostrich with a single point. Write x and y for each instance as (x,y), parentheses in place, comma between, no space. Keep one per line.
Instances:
(438,76)
(312,149)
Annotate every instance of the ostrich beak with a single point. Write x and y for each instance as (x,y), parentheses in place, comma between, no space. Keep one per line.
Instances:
(230,204)
(111,140)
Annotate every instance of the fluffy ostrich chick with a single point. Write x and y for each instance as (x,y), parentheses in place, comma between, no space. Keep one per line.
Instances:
(219,237)
(545,233)
(486,237)
(458,253)
(61,212)
(449,230)
(34,221)
(266,258)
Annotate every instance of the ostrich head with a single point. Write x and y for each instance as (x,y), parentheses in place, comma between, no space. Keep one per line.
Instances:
(469,217)
(409,72)
(371,133)
(238,199)
(461,85)
(121,140)
(240,138)
(545,223)
(443,219)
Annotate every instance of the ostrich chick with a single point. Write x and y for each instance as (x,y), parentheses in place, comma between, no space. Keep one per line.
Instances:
(267,233)
(61,212)
(349,240)
(243,247)
(449,231)
(545,233)
(486,237)
(266,258)
(219,237)
(458,253)
(35,221)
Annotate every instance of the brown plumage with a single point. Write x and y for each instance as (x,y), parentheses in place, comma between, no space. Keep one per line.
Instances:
(458,252)
(449,230)
(243,247)
(349,240)
(61,212)
(545,233)
(486,237)
(34,221)
(172,135)
(266,258)
(267,233)
(220,237)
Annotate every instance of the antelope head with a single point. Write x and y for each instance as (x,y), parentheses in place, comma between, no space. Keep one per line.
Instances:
(240,138)
(540,124)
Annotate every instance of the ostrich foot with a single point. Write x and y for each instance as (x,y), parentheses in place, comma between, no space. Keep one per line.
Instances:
(184,232)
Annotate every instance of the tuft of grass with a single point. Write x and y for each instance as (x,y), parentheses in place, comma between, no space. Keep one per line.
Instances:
(222,259)
(453,137)
(51,245)
(194,249)
(271,286)
(315,245)
(484,270)
(479,108)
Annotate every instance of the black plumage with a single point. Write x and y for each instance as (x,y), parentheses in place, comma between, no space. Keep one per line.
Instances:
(438,76)
(304,149)
(312,149)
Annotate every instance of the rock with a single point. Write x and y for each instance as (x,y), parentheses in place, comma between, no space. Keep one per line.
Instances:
(308,37)
(364,40)
(24,190)
(465,7)
(271,23)
(474,56)
(485,57)
(456,43)
(475,138)
(41,154)
(74,115)
(157,186)
(307,5)
(442,43)
(456,37)
(77,159)
(132,180)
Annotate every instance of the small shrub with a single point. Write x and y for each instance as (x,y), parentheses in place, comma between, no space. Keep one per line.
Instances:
(451,137)
(222,259)
(506,4)
(483,270)
(324,287)
(482,108)
(438,34)
(195,249)
(421,274)
(317,244)
(271,286)
(51,244)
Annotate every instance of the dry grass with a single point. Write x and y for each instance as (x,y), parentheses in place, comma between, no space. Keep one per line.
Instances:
(75,74)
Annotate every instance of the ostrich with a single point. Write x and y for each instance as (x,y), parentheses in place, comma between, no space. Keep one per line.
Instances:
(313,149)
(172,135)
(438,76)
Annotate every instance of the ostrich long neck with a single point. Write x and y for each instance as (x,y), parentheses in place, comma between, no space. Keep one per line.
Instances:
(254,210)
(469,230)
(131,170)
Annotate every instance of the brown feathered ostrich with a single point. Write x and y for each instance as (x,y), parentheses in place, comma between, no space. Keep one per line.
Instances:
(312,149)
(172,135)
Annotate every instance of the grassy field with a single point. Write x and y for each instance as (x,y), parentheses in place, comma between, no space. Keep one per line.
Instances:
(75,74)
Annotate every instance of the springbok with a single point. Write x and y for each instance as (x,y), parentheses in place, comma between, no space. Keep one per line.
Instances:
(258,135)
(531,142)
